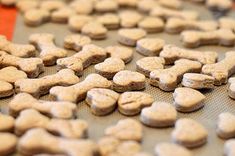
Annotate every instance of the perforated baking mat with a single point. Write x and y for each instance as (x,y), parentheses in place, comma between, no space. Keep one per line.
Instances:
(217,100)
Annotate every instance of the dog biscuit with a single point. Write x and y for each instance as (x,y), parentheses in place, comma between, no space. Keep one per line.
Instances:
(227,23)
(131,103)
(11,74)
(102,101)
(229,147)
(6,123)
(231,88)
(8,3)
(22,101)
(126,129)
(52,5)
(169,149)
(171,53)
(78,91)
(171,4)
(225,127)
(168,79)
(76,22)
(106,6)
(109,20)
(31,66)
(129,19)
(62,15)
(148,64)
(152,24)
(76,41)
(6,89)
(219,5)
(127,3)
(35,17)
(146,5)
(41,86)
(8,143)
(25,5)
(87,6)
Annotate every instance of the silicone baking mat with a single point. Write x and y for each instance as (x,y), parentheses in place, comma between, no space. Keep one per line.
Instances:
(217,100)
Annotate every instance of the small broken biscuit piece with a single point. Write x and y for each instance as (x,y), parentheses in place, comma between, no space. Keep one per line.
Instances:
(126,129)
(31,118)
(106,6)
(225,128)
(8,143)
(124,53)
(219,5)
(19,50)
(150,46)
(148,64)
(177,25)
(198,81)
(77,92)
(193,38)
(7,123)
(227,23)
(52,5)
(87,6)
(22,101)
(171,53)
(128,80)
(221,70)
(25,5)
(188,100)
(6,89)
(109,20)
(152,24)
(129,37)
(102,101)
(159,114)
(109,67)
(76,41)
(31,66)
(131,103)
(36,17)
(76,22)
(168,79)
(170,149)
(39,141)
(41,86)
(49,52)
(11,74)
(189,133)
(62,15)
(129,18)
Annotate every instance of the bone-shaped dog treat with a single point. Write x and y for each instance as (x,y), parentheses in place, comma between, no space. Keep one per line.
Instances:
(229,147)
(7,144)
(193,39)
(25,5)
(36,17)
(171,53)
(90,54)
(8,3)
(222,70)
(78,91)
(171,4)
(176,25)
(6,123)
(39,141)
(22,101)
(31,66)
(168,79)
(87,6)
(41,86)
(231,87)
(76,42)
(52,5)
(49,52)
(20,50)
(6,89)
(31,118)
(219,5)
(62,15)
(168,13)
(11,74)
(227,23)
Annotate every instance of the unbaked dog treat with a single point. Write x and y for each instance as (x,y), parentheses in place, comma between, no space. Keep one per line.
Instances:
(6,123)
(219,5)
(90,54)
(49,52)
(106,6)
(76,41)
(31,118)
(126,129)
(152,24)
(222,70)
(87,6)
(52,5)
(159,114)
(22,101)
(171,4)
(109,20)
(78,91)
(36,17)
(41,86)
(177,25)
(128,80)
(109,67)
(124,53)
(171,53)
(188,100)
(102,101)
(62,15)
(150,46)
(193,39)
(25,5)
(76,22)
(6,89)
(168,79)
(8,143)
(225,127)
(189,133)
(129,19)
(31,66)
(20,50)
(227,23)
(165,13)
(131,103)
(129,37)
(148,64)
(146,5)
(198,81)
(169,149)
(39,141)
(11,74)
(94,30)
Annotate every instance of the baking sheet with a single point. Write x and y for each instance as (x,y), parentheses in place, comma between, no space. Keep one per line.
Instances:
(217,100)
